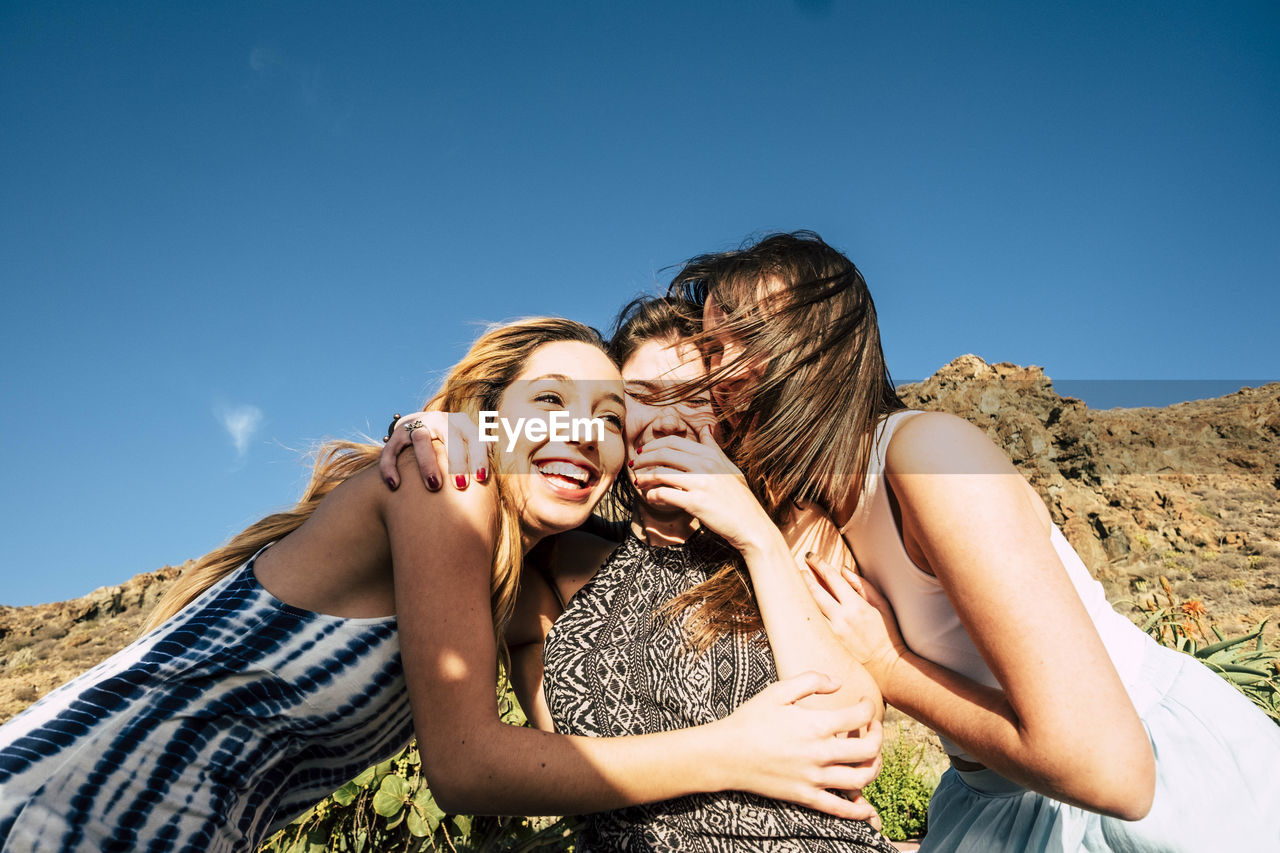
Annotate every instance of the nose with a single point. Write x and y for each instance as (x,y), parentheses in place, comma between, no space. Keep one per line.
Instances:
(582,431)
(668,422)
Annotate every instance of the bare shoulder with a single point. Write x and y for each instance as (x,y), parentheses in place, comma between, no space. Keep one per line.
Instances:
(972,479)
(941,443)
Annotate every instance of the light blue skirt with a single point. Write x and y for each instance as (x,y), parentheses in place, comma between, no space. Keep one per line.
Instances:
(1217,781)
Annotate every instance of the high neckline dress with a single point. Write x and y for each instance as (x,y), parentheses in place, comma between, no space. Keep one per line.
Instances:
(615,666)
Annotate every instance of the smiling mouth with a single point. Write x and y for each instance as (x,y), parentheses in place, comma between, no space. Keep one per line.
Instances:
(566,476)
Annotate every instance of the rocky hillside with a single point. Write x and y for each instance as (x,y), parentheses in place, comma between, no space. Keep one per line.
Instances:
(1188,492)
(48,644)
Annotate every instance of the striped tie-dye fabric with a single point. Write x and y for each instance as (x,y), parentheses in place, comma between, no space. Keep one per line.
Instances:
(208,734)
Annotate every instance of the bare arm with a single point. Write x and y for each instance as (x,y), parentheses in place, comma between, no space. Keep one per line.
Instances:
(440,545)
(970,518)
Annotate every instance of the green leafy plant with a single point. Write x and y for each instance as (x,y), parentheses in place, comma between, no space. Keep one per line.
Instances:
(390,807)
(1247,662)
(901,792)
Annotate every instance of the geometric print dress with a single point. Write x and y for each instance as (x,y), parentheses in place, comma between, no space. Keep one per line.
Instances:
(208,734)
(615,666)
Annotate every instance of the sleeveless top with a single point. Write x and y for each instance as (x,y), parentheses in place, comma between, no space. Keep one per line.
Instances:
(209,733)
(614,666)
(929,623)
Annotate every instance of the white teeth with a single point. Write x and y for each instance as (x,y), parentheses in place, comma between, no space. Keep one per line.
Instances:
(567,470)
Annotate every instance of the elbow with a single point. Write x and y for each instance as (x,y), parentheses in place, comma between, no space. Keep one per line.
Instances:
(452,771)
(1122,786)
(450,787)
(1132,799)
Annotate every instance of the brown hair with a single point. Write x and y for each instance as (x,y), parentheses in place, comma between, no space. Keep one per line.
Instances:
(803,311)
(724,602)
(475,384)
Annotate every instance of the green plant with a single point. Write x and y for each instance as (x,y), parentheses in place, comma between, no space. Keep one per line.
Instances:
(901,793)
(1247,662)
(390,807)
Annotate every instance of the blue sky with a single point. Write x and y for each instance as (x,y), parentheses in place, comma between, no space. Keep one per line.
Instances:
(228,230)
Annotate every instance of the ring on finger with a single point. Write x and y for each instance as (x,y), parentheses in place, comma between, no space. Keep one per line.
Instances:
(412,425)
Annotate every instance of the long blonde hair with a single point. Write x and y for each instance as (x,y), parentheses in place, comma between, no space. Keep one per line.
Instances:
(475,384)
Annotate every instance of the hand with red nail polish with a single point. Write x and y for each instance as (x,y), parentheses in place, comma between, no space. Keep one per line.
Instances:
(443,442)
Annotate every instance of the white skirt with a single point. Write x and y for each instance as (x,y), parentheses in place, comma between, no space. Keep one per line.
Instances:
(1217,781)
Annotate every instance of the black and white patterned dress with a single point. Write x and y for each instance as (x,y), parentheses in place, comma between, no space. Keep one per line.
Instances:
(615,666)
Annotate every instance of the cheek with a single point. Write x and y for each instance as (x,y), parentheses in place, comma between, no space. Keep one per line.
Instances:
(638,417)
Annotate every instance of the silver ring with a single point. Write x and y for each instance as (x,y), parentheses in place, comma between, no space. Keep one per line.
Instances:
(412,425)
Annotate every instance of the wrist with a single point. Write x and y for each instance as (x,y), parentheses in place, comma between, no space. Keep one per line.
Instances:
(885,671)
(762,544)
(713,742)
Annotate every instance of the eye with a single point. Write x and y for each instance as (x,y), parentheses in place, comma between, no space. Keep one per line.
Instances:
(615,420)
(550,397)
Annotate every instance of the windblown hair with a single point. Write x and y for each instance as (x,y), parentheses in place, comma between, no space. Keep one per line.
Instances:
(725,602)
(474,384)
(804,433)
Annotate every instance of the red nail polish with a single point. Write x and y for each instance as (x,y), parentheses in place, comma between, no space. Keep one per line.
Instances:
(631,463)
(482,474)
(460,480)
(433,483)
(640,448)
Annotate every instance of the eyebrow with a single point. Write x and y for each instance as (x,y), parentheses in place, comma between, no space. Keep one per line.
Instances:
(560,377)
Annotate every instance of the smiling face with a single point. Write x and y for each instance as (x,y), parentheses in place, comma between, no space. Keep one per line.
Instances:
(554,476)
(651,369)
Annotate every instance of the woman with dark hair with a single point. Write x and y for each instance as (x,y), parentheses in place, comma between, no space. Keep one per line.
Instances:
(1068,727)
(272,672)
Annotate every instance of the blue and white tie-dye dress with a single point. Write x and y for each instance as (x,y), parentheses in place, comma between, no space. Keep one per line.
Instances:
(209,733)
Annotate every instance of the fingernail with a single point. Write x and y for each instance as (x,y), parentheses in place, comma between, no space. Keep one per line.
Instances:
(433,482)
(640,448)
(460,480)
(482,474)
(631,463)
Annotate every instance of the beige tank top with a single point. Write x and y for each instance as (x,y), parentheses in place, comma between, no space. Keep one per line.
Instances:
(928,622)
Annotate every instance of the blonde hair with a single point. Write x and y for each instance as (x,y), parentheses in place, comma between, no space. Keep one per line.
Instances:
(475,384)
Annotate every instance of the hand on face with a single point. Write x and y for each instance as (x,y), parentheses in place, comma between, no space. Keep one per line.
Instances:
(696,477)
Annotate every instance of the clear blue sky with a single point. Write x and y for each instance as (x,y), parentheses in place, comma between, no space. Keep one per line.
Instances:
(302,211)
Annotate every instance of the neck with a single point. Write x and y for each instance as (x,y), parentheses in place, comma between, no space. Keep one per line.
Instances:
(658,527)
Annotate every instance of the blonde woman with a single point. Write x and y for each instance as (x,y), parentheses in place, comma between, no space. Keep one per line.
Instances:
(273,671)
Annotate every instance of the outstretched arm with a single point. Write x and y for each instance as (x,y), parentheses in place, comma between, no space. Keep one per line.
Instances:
(440,545)
(970,519)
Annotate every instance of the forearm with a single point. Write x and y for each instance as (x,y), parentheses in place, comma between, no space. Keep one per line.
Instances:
(799,635)
(513,770)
